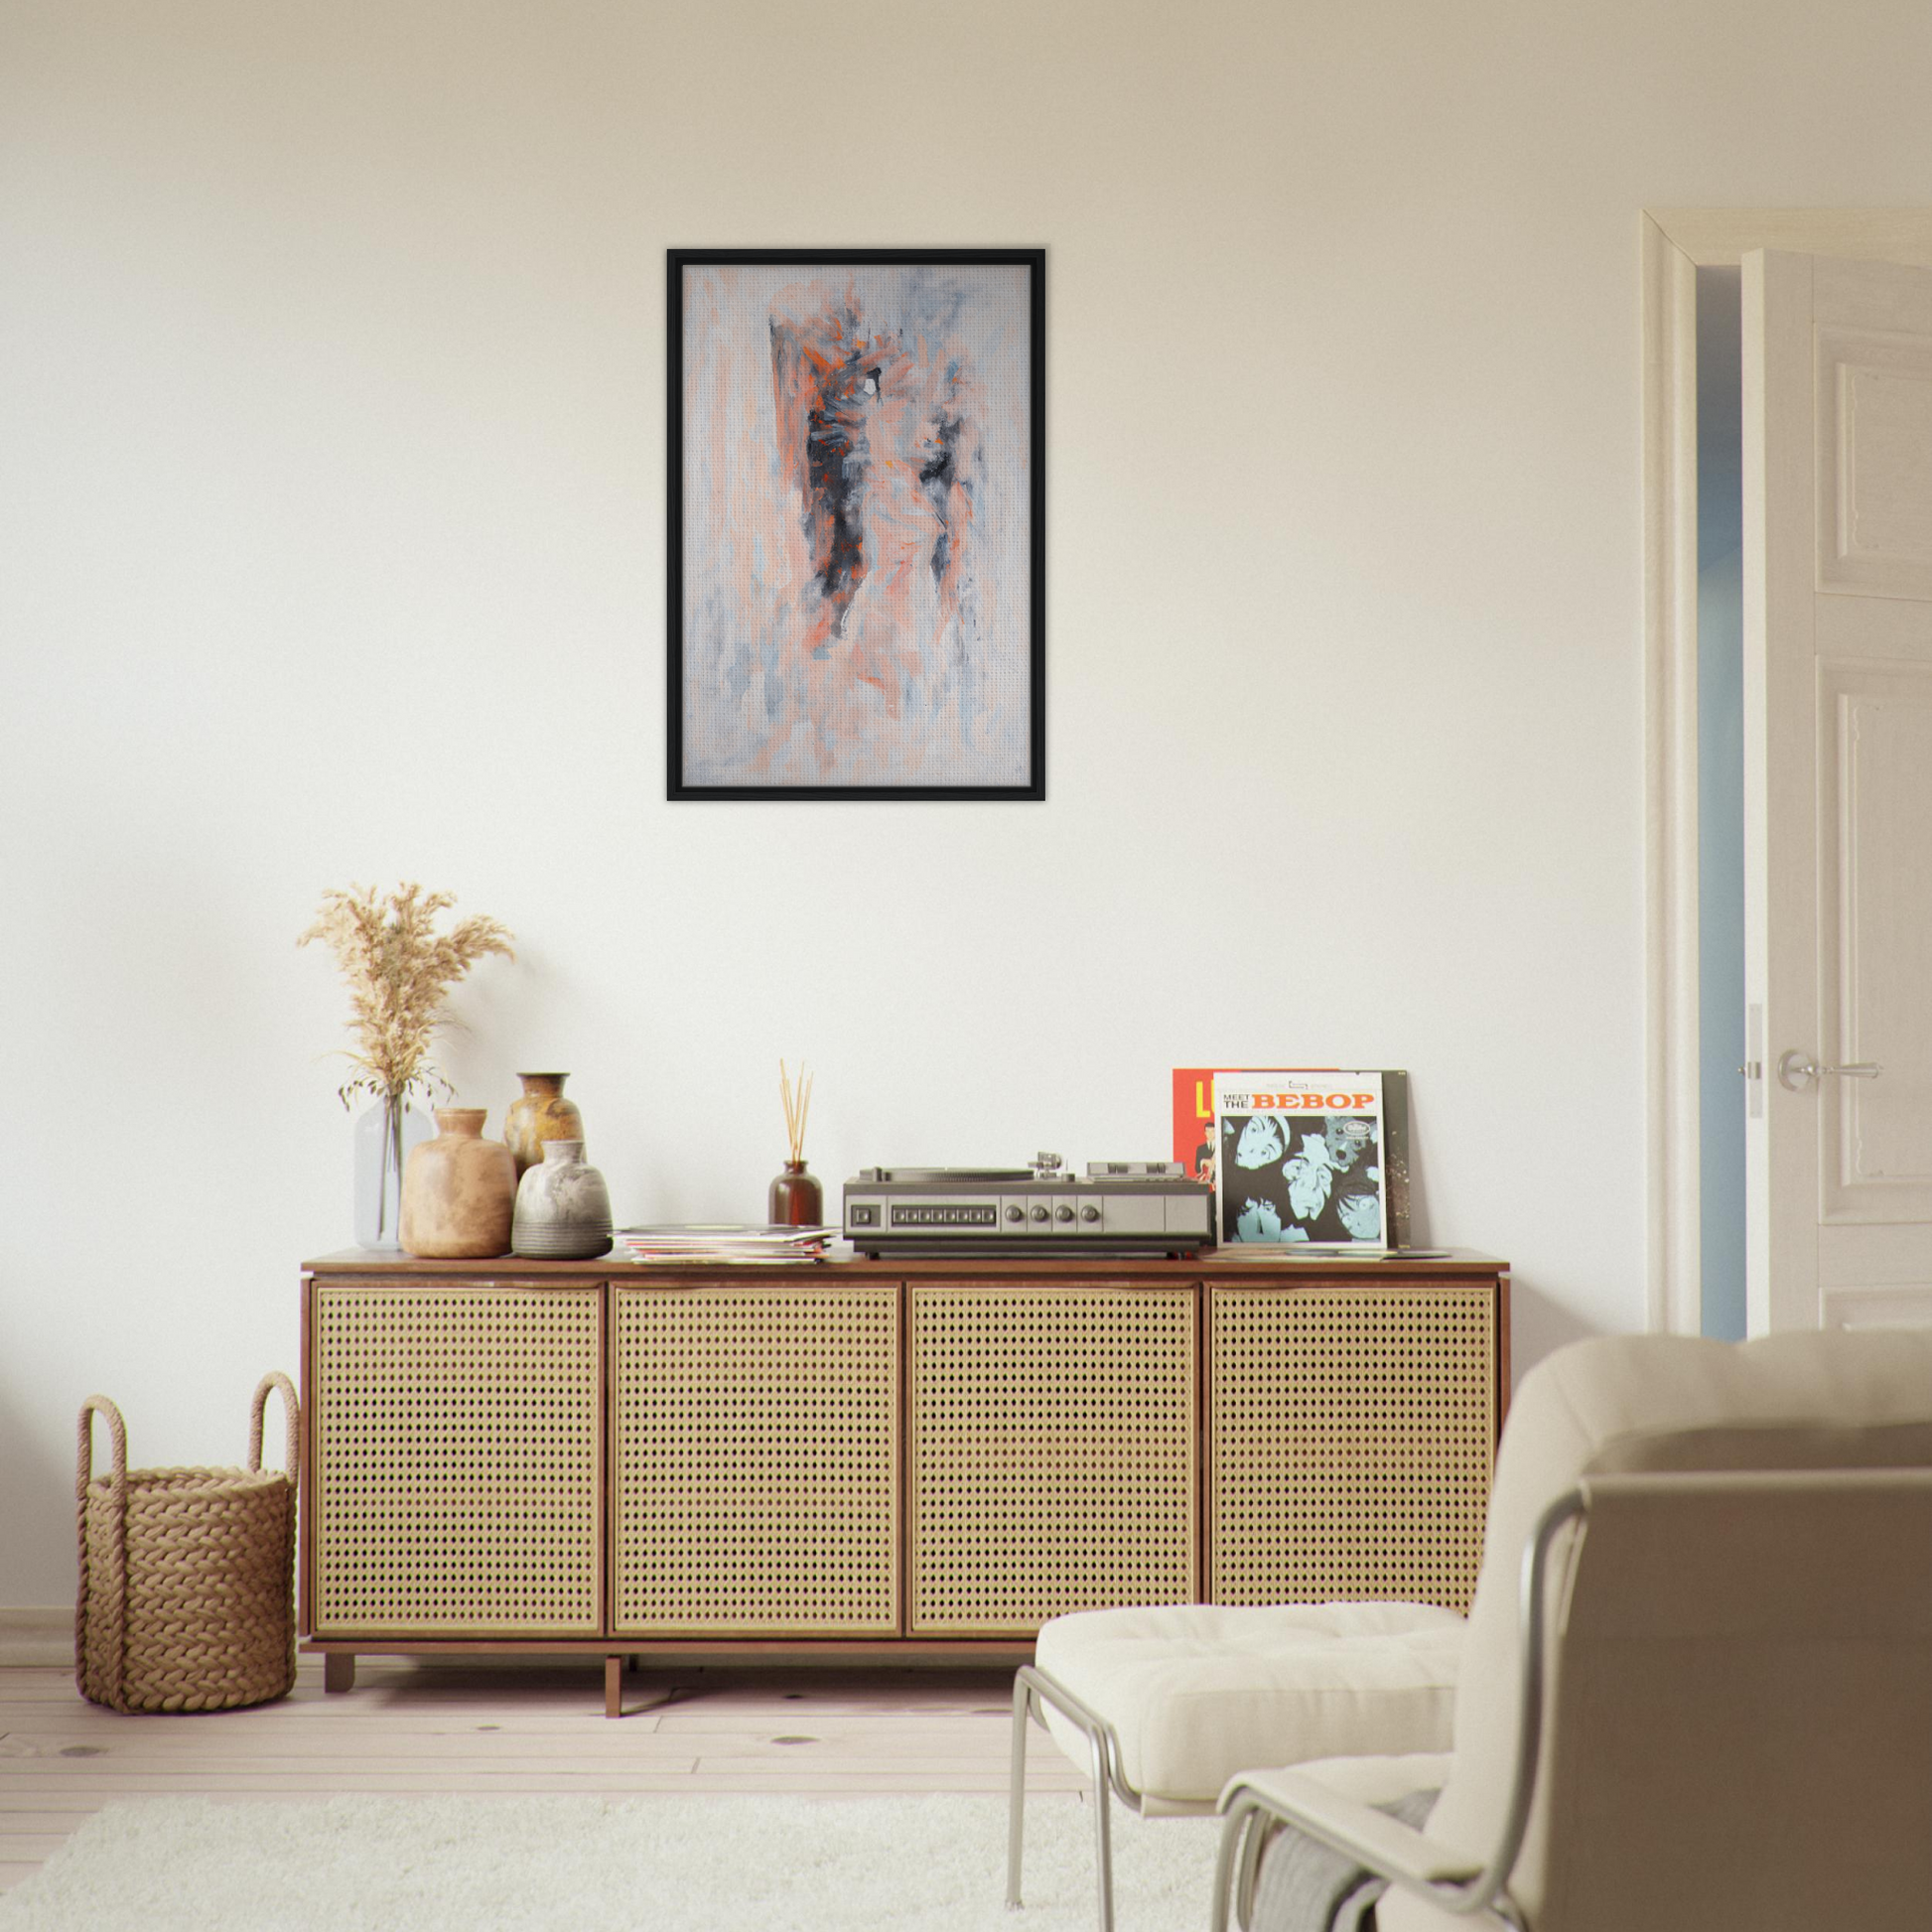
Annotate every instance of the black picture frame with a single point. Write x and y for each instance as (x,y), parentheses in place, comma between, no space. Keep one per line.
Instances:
(682,436)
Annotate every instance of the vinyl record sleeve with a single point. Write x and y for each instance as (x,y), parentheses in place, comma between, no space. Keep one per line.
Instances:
(1196,1145)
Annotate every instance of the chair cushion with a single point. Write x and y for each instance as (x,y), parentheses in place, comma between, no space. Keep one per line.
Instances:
(1197,1692)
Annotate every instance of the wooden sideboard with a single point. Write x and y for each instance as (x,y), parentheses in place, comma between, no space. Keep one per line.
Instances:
(880,1460)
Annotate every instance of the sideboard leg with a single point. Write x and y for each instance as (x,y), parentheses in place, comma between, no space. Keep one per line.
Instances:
(339,1670)
(613,1687)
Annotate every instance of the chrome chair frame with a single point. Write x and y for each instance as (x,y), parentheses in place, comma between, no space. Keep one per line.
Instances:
(1032,1689)
(1254,1816)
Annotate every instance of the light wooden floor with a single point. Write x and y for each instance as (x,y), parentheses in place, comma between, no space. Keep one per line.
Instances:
(509,1729)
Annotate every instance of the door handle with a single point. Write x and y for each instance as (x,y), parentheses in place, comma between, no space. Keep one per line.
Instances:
(1797,1070)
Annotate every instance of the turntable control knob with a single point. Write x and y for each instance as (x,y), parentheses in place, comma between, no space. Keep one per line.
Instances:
(1039,1213)
(1014,1212)
(1063,1213)
(1047,1163)
(1089,1213)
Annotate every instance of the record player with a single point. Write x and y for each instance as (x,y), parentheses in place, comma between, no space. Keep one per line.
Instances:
(1132,1208)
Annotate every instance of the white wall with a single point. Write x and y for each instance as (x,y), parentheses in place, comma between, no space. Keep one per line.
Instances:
(331,419)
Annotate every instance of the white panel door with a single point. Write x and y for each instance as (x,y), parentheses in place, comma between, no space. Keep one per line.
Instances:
(1837,777)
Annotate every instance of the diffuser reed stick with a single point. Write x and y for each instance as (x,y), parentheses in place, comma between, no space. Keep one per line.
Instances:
(797,1104)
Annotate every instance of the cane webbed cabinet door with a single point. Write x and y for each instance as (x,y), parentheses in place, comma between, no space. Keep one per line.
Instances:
(1053,1466)
(756,1452)
(1352,1436)
(456,1458)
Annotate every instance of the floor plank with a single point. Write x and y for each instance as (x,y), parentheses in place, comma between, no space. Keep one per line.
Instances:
(510,1729)
(29,1847)
(63,1753)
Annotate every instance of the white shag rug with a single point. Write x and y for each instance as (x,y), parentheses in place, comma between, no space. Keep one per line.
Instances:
(755,1863)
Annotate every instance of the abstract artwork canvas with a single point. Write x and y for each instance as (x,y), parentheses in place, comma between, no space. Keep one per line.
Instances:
(857,523)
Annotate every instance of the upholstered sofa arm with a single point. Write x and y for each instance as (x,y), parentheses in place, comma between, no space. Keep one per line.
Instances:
(1372,1780)
(1383,1843)
(1256,1803)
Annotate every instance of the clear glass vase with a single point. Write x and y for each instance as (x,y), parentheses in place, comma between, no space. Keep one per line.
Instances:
(384,1134)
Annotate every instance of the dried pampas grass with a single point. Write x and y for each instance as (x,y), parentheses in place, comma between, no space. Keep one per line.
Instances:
(398,969)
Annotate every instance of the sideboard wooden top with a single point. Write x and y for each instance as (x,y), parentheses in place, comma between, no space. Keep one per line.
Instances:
(1221,1265)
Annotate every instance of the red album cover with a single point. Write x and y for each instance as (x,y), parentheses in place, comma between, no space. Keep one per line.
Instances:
(1194,1112)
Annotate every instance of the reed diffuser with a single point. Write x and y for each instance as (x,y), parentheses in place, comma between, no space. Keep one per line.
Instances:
(796,1200)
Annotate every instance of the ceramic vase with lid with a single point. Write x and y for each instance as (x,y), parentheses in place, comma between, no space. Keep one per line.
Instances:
(459,1191)
(539,1113)
(562,1208)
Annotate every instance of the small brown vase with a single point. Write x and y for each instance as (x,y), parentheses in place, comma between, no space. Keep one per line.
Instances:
(797,1201)
(540,1114)
(459,1191)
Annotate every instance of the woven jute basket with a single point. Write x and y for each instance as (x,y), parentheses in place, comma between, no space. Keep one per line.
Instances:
(187,1575)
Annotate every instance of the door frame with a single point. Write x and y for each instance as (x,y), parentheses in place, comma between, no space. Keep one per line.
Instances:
(1674,243)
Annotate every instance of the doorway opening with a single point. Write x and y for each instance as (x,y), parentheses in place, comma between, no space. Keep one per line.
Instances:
(1693,686)
(1721,800)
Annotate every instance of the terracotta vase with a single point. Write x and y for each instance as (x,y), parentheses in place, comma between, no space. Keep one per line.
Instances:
(540,1114)
(562,1208)
(459,1191)
(795,1199)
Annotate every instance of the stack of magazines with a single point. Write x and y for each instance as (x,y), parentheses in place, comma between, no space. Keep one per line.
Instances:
(700,1241)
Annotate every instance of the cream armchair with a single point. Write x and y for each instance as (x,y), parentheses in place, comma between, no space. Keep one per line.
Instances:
(1695,1692)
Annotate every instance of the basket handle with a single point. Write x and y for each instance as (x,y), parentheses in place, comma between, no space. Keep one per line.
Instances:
(112,1613)
(118,1433)
(291,1410)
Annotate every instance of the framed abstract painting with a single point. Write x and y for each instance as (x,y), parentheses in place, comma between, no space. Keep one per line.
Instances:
(857,523)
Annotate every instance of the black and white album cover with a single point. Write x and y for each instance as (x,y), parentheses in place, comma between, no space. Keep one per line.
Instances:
(1301,1159)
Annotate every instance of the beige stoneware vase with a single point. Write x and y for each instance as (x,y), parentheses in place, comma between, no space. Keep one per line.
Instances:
(539,1113)
(459,1191)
